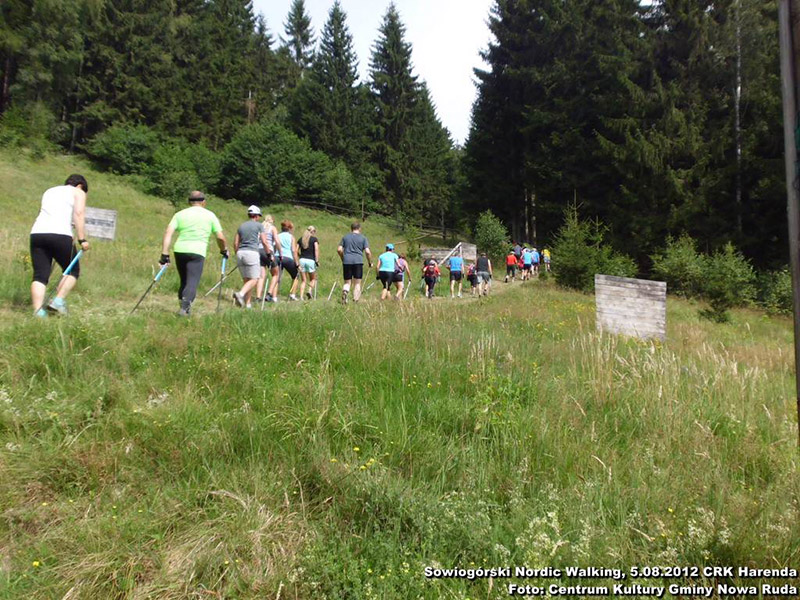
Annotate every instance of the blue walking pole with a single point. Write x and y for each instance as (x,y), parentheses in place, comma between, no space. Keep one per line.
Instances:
(64,274)
(150,287)
(221,281)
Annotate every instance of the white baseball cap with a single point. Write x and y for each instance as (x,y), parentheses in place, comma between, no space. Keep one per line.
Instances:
(254,210)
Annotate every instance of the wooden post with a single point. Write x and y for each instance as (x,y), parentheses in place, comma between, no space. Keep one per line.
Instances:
(787,9)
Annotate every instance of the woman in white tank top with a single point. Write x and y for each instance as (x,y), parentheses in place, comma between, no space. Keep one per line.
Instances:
(62,208)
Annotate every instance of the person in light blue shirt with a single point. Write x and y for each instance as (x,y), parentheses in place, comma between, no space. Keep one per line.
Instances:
(527,264)
(535,260)
(387,263)
(456,266)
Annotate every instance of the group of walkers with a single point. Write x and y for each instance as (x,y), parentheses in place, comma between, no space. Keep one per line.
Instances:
(479,274)
(526,261)
(262,255)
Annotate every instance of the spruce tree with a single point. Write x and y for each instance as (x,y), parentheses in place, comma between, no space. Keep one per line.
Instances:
(299,35)
(395,92)
(327,106)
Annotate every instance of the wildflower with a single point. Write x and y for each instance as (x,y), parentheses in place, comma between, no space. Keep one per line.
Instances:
(333,460)
(363,467)
(670,510)
(36,564)
(369,571)
(227,562)
(356,449)
(44,503)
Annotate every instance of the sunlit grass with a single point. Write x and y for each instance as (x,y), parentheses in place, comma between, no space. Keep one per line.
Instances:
(322,451)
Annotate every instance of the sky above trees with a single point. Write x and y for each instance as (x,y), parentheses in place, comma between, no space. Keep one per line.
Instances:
(446,37)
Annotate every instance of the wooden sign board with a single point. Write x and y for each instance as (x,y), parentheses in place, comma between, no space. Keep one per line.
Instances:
(468,251)
(634,307)
(101,223)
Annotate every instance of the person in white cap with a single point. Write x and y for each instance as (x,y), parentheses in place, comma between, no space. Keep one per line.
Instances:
(250,237)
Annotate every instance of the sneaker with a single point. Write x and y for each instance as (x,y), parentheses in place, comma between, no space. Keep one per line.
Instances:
(293,298)
(238,299)
(308,296)
(57,306)
(183,312)
(344,296)
(459,295)
(41,313)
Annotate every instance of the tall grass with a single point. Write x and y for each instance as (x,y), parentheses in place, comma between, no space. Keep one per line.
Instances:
(321,451)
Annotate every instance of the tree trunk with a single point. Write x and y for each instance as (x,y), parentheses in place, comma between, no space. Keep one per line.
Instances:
(533,218)
(527,217)
(738,118)
(6,84)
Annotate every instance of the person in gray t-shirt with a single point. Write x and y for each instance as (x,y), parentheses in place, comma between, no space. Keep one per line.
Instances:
(250,236)
(351,250)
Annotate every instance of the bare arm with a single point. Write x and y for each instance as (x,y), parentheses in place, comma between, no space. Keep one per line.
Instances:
(316,252)
(79,216)
(491,273)
(340,251)
(221,241)
(236,241)
(369,256)
(167,240)
(294,251)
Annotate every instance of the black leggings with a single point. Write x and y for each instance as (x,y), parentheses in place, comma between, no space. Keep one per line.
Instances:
(190,269)
(46,247)
(430,282)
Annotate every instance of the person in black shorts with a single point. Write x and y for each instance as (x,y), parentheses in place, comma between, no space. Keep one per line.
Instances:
(351,250)
(51,239)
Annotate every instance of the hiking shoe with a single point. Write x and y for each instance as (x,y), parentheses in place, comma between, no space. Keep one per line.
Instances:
(293,298)
(183,312)
(57,306)
(238,299)
(459,295)
(41,313)
(308,296)
(344,296)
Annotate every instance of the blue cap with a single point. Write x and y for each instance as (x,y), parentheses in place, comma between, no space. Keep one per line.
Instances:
(390,246)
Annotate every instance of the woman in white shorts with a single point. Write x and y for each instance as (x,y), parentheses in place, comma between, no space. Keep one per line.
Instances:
(308,245)
(250,237)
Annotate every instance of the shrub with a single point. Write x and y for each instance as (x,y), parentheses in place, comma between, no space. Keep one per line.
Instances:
(124,149)
(776,292)
(266,162)
(582,254)
(178,167)
(680,265)
(491,236)
(728,281)
(32,126)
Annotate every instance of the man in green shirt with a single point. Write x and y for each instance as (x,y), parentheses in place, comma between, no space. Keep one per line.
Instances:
(194,226)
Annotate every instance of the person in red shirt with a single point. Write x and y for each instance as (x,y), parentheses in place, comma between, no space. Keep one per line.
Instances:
(431,273)
(511,266)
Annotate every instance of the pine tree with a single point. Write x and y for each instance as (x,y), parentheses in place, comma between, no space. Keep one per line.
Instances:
(327,108)
(396,93)
(299,35)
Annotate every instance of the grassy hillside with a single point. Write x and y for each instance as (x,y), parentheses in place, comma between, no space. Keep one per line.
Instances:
(321,451)
(115,273)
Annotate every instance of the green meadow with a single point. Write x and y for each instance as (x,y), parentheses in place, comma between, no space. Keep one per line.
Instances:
(315,450)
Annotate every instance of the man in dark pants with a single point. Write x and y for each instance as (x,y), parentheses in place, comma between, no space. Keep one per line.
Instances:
(194,226)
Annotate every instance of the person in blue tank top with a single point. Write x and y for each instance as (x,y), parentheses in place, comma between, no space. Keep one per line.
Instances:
(456,266)
(289,257)
(386,267)
(535,258)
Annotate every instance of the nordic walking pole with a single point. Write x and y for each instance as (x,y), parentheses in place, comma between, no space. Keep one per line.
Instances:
(209,292)
(66,272)
(150,287)
(335,283)
(267,281)
(221,281)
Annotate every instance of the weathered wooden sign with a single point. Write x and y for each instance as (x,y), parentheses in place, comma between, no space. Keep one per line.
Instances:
(634,307)
(467,251)
(101,223)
